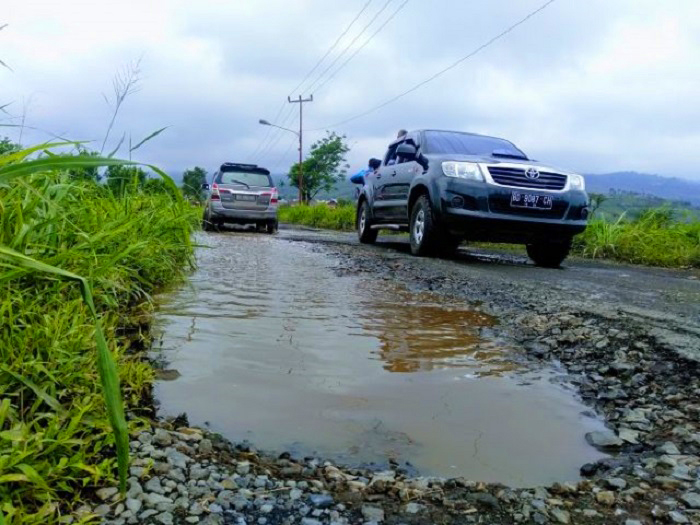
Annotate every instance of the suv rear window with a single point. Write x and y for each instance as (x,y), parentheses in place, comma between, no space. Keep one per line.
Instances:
(246,178)
(453,142)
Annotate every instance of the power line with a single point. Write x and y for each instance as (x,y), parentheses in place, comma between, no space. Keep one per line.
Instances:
(330,49)
(352,43)
(320,78)
(357,51)
(269,147)
(443,71)
(270,131)
(279,159)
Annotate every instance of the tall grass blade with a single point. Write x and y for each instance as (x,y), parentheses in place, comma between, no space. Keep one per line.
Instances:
(11,158)
(151,136)
(119,145)
(10,171)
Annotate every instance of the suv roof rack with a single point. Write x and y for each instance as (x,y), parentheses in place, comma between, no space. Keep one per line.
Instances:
(235,166)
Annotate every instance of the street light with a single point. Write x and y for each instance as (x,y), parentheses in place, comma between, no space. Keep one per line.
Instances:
(298,134)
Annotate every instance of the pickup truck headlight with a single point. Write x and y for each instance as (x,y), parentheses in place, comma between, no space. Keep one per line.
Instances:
(576,182)
(462,170)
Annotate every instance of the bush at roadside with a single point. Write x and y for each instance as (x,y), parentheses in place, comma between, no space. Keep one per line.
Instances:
(656,238)
(56,441)
(341,217)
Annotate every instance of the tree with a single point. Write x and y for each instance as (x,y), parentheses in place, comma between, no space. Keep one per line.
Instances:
(596,201)
(122,179)
(7,146)
(192,181)
(324,166)
(85,174)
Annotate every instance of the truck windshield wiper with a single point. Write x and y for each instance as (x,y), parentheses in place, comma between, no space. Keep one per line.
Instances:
(508,155)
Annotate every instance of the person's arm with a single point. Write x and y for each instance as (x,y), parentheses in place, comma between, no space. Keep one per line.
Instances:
(358,178)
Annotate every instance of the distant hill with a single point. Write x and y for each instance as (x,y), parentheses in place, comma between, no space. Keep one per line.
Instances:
(343,190)
(669,188)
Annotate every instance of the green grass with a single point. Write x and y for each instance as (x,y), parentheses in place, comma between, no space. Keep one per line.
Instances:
(341,217)
(78,268)
(656,237)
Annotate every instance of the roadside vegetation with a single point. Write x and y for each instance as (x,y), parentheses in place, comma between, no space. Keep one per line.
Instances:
(341,217)
(79,264)
(656,237)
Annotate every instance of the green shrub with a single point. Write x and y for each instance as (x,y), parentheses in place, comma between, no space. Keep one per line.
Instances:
(341,217)
(656,238)
(57,434)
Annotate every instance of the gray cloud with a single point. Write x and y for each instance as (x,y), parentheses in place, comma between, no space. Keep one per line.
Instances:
(594,86)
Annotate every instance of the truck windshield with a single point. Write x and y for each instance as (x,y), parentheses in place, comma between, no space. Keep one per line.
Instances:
(455,143)
(244,178)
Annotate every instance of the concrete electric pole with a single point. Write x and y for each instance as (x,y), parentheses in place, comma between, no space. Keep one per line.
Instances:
(301,102)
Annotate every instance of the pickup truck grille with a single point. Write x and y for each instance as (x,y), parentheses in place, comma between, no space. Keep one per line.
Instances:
(516,177)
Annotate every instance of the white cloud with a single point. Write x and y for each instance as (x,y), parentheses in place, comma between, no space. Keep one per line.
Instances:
(595,86)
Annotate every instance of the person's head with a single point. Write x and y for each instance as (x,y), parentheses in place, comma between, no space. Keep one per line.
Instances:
(402,132)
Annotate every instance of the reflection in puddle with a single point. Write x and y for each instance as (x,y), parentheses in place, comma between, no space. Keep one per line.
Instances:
(418,333)
(273,346)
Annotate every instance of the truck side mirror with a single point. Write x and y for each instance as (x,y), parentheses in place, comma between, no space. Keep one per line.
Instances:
(407,151)
(205,186)
(374,164)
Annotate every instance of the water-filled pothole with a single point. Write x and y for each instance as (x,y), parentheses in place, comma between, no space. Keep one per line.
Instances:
(274,347)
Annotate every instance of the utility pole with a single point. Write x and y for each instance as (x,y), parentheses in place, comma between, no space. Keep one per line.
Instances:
(301,102)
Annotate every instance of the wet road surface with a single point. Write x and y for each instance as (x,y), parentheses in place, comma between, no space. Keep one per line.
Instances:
(275,344)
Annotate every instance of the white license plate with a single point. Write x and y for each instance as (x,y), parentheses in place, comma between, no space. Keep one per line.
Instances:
(519,199)
(246,197)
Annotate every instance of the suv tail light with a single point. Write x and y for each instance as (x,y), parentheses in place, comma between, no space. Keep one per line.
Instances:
(274,196)
(215,196)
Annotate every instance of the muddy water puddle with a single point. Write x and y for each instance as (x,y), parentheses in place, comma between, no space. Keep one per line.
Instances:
(274,346)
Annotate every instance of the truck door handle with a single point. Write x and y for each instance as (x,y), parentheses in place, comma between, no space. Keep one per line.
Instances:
(379,175)
(393,174)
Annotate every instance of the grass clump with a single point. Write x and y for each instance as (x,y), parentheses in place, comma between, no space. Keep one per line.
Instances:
(657,238)
(78,267)
(341,217)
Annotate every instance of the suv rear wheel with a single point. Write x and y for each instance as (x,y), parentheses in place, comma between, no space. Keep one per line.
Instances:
(207,224)
(364,226)
(549,254)
(272,227)
(425,237)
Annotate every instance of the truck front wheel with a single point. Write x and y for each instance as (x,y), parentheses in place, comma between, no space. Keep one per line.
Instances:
(364,226)
(424,234)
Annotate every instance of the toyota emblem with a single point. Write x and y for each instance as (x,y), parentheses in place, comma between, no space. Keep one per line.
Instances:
(532,173)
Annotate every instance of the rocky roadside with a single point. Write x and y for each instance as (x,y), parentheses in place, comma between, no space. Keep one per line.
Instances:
(647,393)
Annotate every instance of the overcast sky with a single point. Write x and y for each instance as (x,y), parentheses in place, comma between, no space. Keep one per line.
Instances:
(591,85)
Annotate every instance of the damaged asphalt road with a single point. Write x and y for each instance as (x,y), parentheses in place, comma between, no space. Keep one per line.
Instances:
(627,337)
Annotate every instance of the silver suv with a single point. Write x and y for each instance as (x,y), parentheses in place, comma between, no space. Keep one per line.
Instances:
(241,194)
